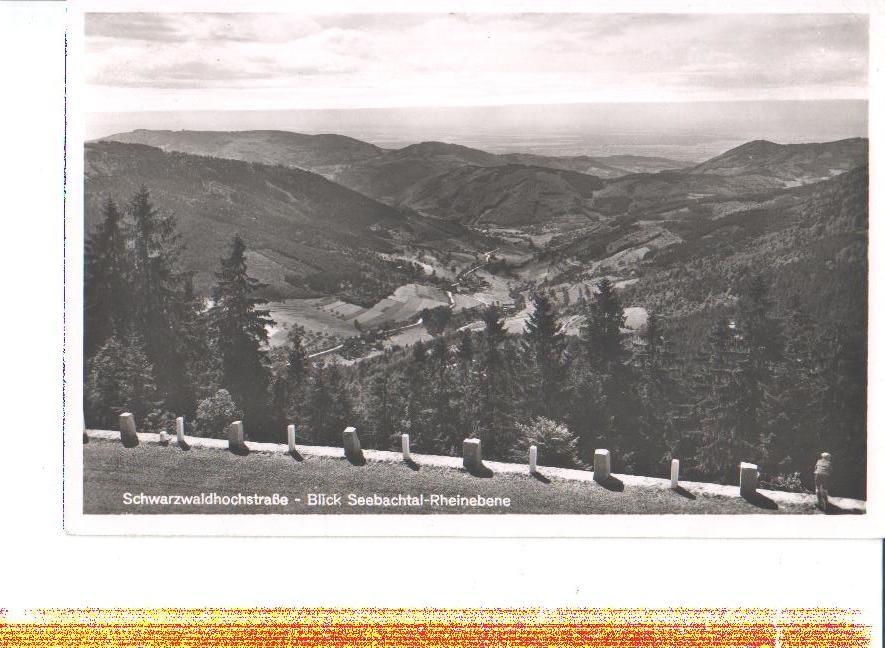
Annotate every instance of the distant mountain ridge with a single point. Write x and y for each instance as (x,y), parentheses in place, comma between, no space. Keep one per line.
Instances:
(263,146)
(789,164)
(471,186)
(315,152)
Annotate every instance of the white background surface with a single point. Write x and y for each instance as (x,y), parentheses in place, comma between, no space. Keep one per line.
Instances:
(43,566)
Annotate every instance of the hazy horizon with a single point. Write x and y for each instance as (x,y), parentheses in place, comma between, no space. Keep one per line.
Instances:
(689,131)
(686,86)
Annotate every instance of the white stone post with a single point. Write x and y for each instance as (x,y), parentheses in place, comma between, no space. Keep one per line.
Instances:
(674,473)
(533,459)
(749,478)
(472,451)
(127,430)
(290,437)
(179,430)
(602,465)
(407,452)
(352,448)
(235,437)
(164,438)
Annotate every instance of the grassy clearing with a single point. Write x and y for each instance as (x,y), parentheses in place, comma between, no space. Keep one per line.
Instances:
(110,470)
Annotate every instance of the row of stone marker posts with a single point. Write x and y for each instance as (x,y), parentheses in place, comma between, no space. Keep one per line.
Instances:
(471,452)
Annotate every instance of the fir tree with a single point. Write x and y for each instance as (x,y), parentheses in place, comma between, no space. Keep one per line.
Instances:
(160,301)
(107,271)
(607,408)
(494,395)
(381,412)
(466,401)
(442,419)
(240,331)
(543,346)
(729,425)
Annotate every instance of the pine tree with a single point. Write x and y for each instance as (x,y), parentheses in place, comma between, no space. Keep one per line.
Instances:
(796,396)
(342,412)
(494,394)
(319,406)
(844,431)
(381,412)
(729,427)
(739,406)
(240,331)
(442,419)
(601,332)
(160,302)
(295,376)
(658,396)
(107,271)
(543,347)
(607,405)
(466,396)
(417,414)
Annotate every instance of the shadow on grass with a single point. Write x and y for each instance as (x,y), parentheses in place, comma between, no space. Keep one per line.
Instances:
(760,500)
(612,483)
(355,458)
(295,455)
(129,442)
(184,445)
(85,438)
(684,493)
(541,478)
(835,509)
(240,449)
(480,471)
(411,464)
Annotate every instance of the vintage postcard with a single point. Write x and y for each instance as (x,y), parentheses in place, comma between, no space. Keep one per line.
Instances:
(547,273)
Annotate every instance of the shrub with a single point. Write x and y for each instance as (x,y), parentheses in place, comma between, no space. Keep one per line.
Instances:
(557,446)
(215,413)
(790,482)
(120,379)
(158,420)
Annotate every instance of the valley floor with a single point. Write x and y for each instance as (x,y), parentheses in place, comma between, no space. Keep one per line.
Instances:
(110,471)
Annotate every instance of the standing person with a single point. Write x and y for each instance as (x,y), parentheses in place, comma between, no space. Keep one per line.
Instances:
(822,470)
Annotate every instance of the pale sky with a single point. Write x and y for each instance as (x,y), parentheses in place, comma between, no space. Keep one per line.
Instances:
(286,61)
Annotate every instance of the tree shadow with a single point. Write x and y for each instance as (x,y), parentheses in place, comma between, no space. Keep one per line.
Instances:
(679,490)
(612,483)
(411,464)
(240,449)
(295,455)
(355,458)
(835,509)
(541,478)
(760,500)
(480,471)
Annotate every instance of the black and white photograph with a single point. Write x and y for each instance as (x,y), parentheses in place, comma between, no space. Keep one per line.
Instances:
(474,263)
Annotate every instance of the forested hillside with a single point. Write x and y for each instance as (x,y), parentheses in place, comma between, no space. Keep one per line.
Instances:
(751,347)
(306,235)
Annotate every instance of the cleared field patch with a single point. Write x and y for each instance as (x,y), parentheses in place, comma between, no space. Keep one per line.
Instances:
(313,314)
(404,304)
(110,471)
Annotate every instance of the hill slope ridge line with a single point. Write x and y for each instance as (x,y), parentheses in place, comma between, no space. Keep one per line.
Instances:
(442,461)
